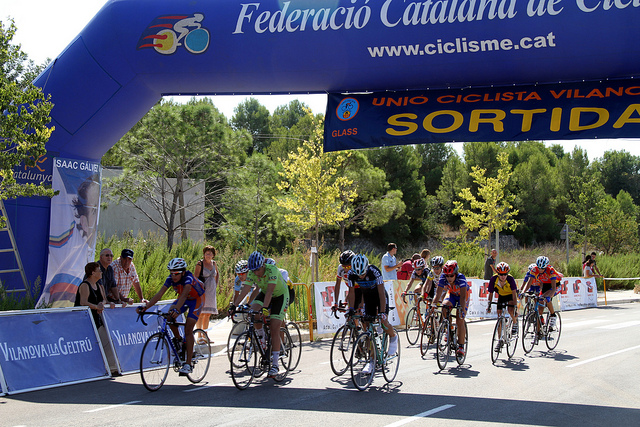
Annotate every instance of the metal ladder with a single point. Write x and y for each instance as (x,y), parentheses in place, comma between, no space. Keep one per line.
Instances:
(14,249)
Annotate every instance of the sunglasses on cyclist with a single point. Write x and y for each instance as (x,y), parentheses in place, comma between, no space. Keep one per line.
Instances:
(449,275)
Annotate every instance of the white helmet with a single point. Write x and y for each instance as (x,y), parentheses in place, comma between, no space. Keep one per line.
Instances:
(359,264)
(177,264)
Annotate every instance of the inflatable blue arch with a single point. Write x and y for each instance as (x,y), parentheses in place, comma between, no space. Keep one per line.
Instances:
(134,52)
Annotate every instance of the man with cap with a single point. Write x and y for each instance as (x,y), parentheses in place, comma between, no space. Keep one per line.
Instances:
(125,276)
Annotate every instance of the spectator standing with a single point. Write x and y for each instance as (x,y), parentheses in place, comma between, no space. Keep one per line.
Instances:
(490,265)
(91,294)
(407,268)
(207,272)
(426,254)
(595,265)
(126,277)
(107,281)
(390,265)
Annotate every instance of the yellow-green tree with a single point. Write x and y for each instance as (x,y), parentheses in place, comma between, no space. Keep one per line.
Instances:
(492,209)
(313,189)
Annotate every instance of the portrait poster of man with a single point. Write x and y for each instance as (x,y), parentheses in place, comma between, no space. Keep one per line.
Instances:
(72,229)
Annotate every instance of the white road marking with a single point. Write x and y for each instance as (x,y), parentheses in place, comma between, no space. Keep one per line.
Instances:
(202,387)
(573,365)
(420,415)
(583,323)
(113,406)
(621,325)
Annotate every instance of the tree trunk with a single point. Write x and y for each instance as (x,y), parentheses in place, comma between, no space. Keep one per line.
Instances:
(183,218)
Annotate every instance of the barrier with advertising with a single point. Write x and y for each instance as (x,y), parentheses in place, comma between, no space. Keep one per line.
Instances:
(48,348)
(324,299)
(128,336)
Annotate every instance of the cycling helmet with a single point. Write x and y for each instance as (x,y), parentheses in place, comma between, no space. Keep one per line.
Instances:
(177,264)
(542,262)
(346,257)
(437,260)
(502,268)
(359,264)
(256,260)
(270,261)
(450,267)
(242,266)
(419,264)
(531,267)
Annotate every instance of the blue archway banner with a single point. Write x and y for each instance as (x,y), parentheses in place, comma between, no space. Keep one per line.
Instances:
(608,109)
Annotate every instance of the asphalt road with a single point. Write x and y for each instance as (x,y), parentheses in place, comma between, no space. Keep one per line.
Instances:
(591,378)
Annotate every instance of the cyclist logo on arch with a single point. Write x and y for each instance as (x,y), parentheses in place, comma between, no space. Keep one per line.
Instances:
(167,33)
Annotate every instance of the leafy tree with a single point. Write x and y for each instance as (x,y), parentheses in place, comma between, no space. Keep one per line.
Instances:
(313,191)
(454,179)
(375,204)
(492,209)
(23,124)
(588,210)
(252,217)
(535,187)
(190,143)
(616,232)
(288,130)
(402,165)
(620,171)
(253,117)
(434,157)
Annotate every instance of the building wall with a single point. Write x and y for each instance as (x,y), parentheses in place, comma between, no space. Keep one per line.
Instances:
(123,217)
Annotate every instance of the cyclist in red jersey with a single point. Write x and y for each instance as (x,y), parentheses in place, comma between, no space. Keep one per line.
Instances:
(549,279)
(189,293)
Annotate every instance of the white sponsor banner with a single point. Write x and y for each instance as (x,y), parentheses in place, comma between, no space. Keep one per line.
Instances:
(324,300)
(577,293)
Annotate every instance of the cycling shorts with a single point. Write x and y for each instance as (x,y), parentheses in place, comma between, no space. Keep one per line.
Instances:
(278,306)
(372,301)
(534,289)
(195,307)
(454,301)
(547,286)
(431,293)
(504,300)
(357,293)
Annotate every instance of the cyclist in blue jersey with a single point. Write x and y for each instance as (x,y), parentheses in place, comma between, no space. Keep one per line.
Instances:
(455,283)
(368,278)
(189,290)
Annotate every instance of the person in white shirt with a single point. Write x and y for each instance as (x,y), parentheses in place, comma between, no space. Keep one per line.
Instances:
(390,265)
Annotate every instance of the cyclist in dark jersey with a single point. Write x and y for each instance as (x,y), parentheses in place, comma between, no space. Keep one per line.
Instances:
(189,290)
(376,300)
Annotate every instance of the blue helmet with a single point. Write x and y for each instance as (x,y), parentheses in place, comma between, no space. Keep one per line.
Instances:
(255,261)
(359,264)
(542,262)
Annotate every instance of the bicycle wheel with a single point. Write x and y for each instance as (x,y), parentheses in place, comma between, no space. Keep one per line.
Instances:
(553,334)
(391,363)
(341,346)
(244,358)
(362,355)
(427,337)
(286,354)
(512,342)
(496,344)
(461,359)
(413,323)
(155,361)
(235,332)
(442,344)
(296,338)
(529,333)
(201,358)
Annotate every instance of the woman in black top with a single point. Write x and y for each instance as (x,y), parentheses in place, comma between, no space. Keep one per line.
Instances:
(91,294)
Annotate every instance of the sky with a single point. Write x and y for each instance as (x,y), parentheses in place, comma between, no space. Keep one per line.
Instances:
(46,27)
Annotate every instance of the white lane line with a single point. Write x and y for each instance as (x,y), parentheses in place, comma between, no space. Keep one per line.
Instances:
(621,325)
(583,323)
(325,363)
(202,387)
(573,365)
(113,406)
(420,415)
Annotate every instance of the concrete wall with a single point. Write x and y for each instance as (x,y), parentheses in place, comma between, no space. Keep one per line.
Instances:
(117,219)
